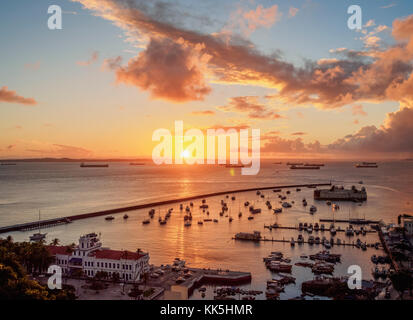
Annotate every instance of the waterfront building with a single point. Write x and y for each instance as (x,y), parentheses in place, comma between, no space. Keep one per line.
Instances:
(89,258)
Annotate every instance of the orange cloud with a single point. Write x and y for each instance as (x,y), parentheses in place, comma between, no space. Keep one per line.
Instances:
(203,113)
(251,106)
(169,70)
(372,75)
(10,96)
(92,59)
(357,110)
(57,150)
(261,17)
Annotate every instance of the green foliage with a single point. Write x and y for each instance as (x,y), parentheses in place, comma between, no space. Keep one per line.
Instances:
(402,281)
(19,259)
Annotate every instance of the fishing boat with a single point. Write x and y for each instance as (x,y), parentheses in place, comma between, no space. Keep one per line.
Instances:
(125,216)
(313,209)
(146,221)
(200,222)
(292,242)
(230,219)
(187,224)
(276,266)
(240,215)
(109,218)
(286,205)
(349,231)
(279,210)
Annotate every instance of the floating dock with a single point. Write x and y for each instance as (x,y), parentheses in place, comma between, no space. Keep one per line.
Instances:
(53,222)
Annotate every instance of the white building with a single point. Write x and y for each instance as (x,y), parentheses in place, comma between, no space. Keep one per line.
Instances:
(89,257)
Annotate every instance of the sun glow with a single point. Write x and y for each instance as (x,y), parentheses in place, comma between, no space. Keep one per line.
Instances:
(185,154)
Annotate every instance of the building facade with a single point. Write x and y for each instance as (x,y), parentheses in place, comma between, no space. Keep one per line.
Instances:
(88,258)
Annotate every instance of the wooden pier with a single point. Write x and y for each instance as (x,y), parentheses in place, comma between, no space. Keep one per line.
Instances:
(352,244)
(57,221)
(303,229)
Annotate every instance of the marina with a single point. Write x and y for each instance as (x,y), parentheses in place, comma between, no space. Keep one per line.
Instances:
(215,220)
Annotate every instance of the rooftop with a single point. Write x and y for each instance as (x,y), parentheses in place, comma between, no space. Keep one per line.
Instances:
(58,250)
(117,254)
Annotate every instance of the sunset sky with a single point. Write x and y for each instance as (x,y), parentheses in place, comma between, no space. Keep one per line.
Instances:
(118,70)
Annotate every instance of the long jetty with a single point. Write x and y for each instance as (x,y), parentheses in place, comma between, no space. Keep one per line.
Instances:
(68,219)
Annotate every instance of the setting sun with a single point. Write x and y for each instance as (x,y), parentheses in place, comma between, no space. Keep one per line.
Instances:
(185,154)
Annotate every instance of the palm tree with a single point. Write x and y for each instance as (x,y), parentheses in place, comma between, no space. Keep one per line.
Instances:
(55,242)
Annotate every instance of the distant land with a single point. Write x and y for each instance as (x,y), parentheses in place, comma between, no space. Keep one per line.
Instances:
(73,160)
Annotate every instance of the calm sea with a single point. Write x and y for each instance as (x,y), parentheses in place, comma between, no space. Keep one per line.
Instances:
(62,189)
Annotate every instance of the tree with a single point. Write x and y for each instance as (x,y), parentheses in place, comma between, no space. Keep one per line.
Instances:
(55,242)
(402,281)
(115,277)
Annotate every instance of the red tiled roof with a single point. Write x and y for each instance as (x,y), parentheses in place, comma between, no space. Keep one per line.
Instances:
(57,250)
(116,254)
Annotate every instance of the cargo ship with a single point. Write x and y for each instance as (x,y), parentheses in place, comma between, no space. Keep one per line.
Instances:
(367,165)
(341,194)
(234,166)
(296,167)
(83,165)
(136,164)
(295,163)
(314,164)
(256,236)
